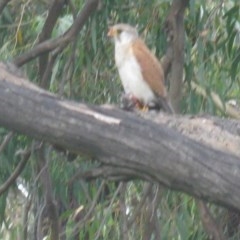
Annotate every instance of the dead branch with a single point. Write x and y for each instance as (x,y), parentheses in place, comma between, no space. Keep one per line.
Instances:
(143,148)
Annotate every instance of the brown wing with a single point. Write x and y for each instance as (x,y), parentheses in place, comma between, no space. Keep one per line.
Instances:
(151,68)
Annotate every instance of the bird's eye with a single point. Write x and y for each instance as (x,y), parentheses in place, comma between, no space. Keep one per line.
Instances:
(119,31)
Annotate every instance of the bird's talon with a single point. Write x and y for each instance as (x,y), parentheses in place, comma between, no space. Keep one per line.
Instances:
(143,108)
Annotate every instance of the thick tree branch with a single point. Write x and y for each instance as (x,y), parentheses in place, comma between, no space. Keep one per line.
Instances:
(151,151)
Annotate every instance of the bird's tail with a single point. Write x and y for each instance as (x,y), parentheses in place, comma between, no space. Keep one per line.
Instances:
(165,104)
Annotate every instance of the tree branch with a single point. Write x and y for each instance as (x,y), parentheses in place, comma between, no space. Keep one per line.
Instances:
(175,33)
(62,41)
(53,14)
(5,141)
(50,205)
(15,173)
(124,140)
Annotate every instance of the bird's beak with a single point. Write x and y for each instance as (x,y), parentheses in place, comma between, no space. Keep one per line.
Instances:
(111,32)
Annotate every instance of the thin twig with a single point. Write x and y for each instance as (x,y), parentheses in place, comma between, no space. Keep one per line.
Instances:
(88,214)
(20,22)
(108,211)
(5,141)
(16,172)
(39,222)
(146,190)
(124,223)
(25,216)
(226,108)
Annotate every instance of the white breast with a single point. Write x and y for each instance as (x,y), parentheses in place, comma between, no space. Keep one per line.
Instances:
(130,74)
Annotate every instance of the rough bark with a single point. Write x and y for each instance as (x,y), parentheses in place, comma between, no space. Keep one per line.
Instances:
(135,147)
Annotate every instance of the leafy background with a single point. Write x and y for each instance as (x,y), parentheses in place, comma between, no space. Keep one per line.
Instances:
(212,55)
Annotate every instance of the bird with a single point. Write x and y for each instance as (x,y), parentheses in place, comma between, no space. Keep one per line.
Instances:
(141,73)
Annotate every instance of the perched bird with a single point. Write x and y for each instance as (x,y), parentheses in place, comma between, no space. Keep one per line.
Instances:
(140,72)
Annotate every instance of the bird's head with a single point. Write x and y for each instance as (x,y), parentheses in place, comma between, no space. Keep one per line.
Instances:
(122,33)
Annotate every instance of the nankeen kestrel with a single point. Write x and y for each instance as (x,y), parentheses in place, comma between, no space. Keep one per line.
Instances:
(140,71)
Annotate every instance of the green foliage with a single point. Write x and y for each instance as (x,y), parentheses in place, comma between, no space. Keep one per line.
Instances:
(212,55)
(213,49)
